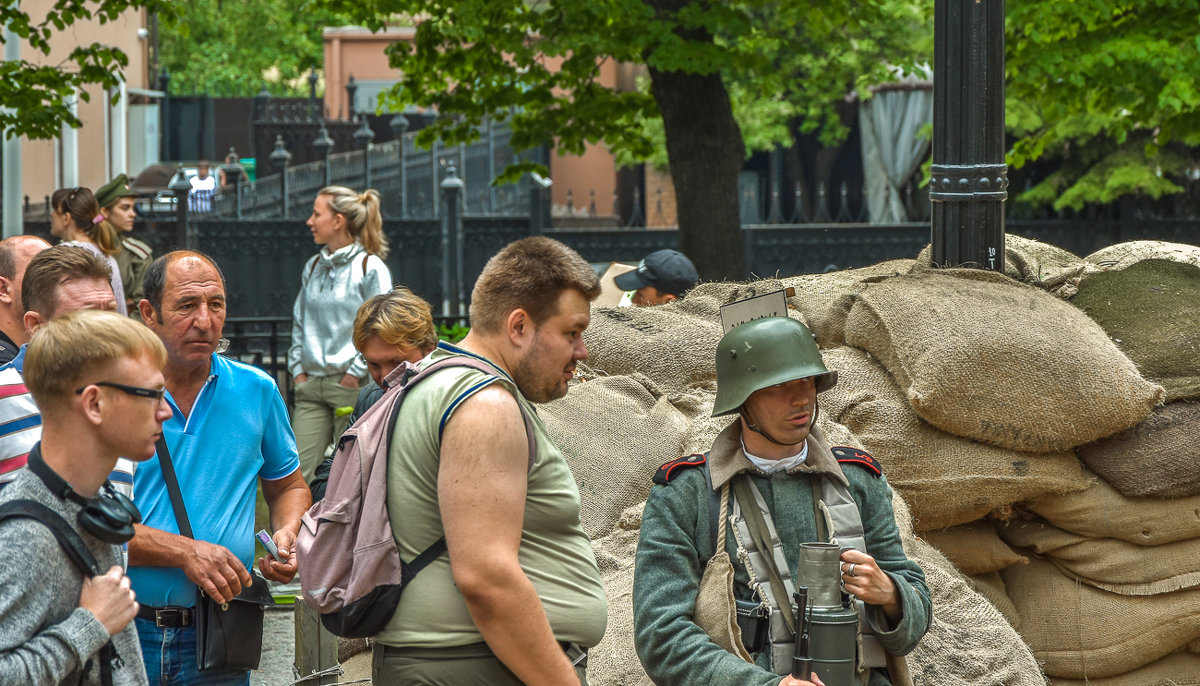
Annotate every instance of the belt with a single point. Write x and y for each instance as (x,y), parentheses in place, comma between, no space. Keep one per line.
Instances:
(167,617)
(575,652)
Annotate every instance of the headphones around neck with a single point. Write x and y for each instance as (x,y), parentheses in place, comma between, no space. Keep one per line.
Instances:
(109,515)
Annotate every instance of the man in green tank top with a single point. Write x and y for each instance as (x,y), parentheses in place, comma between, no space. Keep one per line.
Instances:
(517,597)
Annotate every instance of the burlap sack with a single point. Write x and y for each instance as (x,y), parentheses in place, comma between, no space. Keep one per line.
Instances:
(1151,310)
(705,301)
(674,349)
(991,586)
(1039,264)
(1176,669)
(1122,255)
(981,356)
(825,299)
(1157,458)
(614,432)
(969,643)
(946,480)
(614,661)
(974,548)
(1079,631)
(1099,511)
(1110,563)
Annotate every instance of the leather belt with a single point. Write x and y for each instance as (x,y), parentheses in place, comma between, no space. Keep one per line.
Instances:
(167,617)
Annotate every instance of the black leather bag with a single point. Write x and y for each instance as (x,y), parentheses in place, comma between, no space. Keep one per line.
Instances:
(229,635)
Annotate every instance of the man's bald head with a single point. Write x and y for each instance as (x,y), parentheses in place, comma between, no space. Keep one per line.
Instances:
(155,281)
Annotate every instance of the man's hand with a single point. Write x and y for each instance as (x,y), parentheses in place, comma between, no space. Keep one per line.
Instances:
(300,378)
(793,681)
(110,599)
(277,571)
(349,381)
(870,584)
(216,570)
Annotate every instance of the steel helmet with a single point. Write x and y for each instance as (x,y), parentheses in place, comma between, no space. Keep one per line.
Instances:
(762,353)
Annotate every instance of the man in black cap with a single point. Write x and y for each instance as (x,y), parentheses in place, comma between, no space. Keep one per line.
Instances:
(116,205)
(661,277)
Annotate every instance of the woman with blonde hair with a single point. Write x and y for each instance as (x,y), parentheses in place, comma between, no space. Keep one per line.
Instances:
(322,360)
(75,218)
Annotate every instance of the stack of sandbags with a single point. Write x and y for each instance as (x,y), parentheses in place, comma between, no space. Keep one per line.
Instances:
(968,644)
(1149,309)
(1114,587)
(946,479)
(1158,458)
(676,350)
(1039,264)
(824,299)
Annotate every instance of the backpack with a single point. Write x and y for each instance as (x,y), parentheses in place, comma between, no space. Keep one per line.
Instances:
(77,551)
(352,574)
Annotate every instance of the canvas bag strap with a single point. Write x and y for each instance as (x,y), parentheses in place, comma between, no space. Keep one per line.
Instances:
(168,470)
(758,532)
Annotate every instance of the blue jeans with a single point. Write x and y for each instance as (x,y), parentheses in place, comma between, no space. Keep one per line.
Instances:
(170,656)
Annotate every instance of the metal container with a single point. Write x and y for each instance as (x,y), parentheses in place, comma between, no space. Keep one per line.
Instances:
(820,570)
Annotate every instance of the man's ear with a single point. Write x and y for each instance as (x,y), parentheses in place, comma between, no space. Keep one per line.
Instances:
(91,402)
(147,311)
(32,321)
(6,290)
(519,327)
(668,297)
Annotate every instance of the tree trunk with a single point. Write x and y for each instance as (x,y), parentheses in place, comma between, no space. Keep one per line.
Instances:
(705,150)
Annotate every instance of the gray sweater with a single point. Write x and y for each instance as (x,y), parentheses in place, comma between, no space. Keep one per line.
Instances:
(45,637)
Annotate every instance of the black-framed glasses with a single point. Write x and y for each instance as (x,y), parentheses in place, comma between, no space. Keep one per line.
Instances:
(155,393)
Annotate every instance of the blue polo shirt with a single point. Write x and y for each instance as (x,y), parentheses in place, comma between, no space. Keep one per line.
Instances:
(238,432)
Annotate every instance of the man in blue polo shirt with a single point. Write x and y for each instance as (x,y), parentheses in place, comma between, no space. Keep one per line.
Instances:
(229,431)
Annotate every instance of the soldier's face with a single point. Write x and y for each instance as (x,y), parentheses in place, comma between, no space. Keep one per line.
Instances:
(121,214)
(785,411)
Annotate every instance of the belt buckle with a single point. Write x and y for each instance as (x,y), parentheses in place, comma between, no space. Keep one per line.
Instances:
(166,614)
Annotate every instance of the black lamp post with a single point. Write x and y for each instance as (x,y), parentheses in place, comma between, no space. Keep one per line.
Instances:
(323,145)
(164,142)
(362,138)
(399,126)
(279,162)
(313,110)
(969,179)
(181,187)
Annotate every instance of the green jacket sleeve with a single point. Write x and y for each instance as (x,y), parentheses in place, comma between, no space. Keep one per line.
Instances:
(675,544)
(883,543)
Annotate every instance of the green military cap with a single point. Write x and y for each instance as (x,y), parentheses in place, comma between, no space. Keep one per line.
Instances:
(117,188)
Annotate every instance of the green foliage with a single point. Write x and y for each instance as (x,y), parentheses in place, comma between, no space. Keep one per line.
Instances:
(36,97)
(232,47)
(453,333)
(537,62)
(1109,88)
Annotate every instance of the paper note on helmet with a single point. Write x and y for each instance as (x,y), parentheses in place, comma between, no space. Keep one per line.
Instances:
(772,304)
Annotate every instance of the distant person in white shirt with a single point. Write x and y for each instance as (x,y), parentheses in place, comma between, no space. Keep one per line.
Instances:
(204,187)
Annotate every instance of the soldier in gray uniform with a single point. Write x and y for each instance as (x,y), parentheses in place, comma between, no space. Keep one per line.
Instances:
(116,204)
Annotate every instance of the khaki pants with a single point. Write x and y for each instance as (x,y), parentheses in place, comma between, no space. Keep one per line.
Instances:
(470,665)
(315,421)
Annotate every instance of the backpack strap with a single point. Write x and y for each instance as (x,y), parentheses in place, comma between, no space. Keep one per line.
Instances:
(411,378)
(67,537)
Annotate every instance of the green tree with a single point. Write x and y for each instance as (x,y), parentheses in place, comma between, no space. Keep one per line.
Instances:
(232,48)
(537,61)
(1109,90)
(36,98)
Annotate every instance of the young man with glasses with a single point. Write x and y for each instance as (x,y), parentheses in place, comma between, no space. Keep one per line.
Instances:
(97,378)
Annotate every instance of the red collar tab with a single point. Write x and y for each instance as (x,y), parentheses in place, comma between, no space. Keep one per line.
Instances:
(668,471)
(856,456)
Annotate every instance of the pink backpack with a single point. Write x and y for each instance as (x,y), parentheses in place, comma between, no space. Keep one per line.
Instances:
(350,566)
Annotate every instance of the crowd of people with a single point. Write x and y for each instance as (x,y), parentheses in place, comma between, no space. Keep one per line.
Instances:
(131,452)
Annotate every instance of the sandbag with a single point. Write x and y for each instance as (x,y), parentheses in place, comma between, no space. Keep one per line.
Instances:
(991,587)
(1110,563)
(1077,631)
(1046,266)
(1151,310)
(705,300)
(974,548)
(672,348)
(1176,669)
(1155,459)
(1099,511)
(981,356)
(1122,255)
(824,299)
(946,479)
(614,661)
(614,432)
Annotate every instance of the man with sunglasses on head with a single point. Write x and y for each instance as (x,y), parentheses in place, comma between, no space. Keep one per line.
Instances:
(66,607)
(58,280)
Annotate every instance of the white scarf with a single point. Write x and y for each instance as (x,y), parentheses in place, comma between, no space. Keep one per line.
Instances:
(768,466)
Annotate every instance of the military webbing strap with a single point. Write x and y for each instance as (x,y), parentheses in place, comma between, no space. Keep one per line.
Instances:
(758,532)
